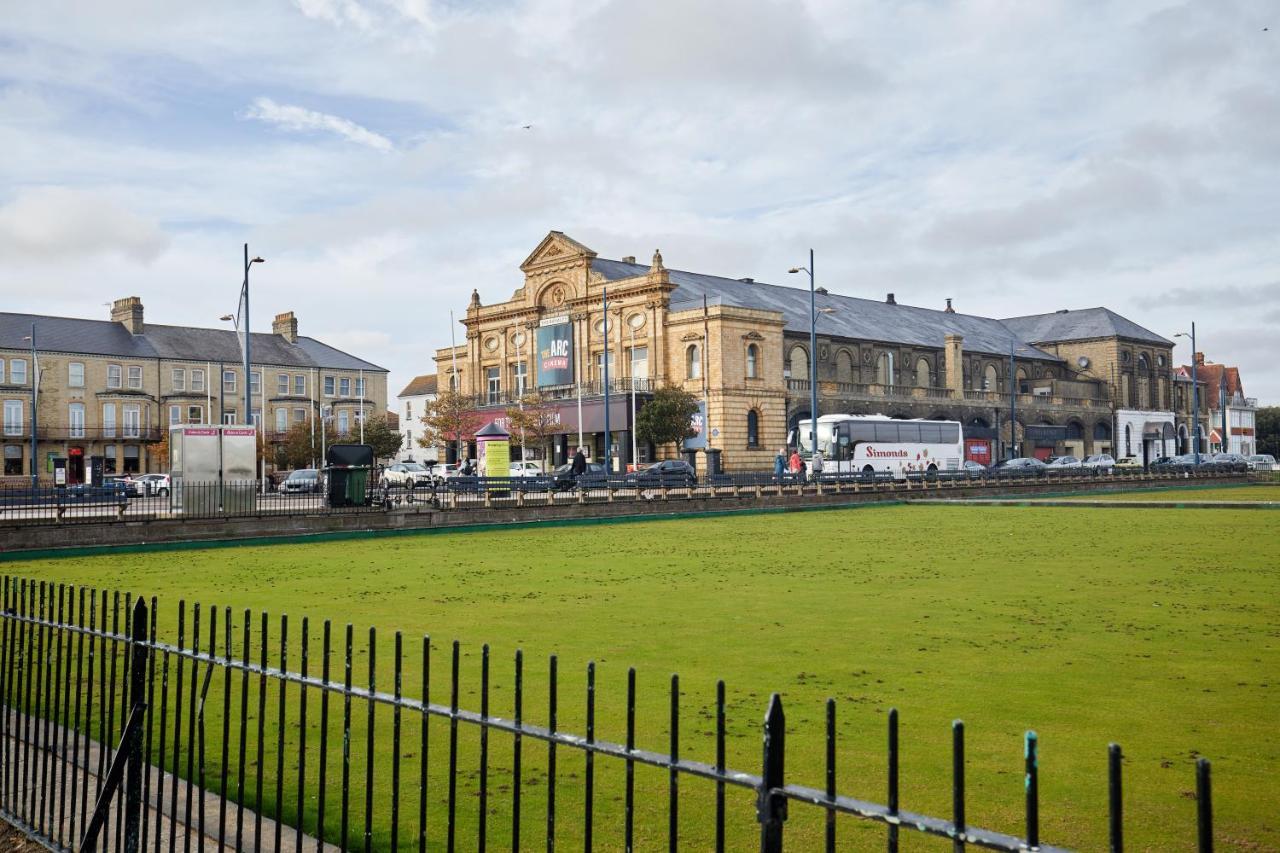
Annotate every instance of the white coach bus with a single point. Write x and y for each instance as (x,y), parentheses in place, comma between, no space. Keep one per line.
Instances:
(876,444)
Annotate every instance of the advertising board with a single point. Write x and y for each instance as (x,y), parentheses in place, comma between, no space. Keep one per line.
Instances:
(555,355)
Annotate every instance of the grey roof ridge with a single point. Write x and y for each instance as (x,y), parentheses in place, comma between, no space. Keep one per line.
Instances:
(340,351)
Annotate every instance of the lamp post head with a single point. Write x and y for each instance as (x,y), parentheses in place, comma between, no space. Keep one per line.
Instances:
(797,269)
(227,318)
(257,261)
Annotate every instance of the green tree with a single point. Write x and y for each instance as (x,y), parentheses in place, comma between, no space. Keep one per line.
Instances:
(448,418)
(538,419)
(1267,430)
(378,434)
(301,449)
(667,417)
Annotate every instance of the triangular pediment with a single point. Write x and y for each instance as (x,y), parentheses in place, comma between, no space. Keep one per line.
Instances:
(556,247)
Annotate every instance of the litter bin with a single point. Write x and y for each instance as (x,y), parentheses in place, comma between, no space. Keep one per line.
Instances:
(348,469)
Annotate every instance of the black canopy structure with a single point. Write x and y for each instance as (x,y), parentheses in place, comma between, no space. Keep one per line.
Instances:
(350,456)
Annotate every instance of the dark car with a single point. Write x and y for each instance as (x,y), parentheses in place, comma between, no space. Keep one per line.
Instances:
(563,475)
(302,480)
(669,472)
(1230,462)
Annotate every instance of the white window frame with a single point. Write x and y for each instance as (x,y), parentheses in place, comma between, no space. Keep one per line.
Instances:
(14,417)
(75,374)
(493,384)
(282,384)
(282,420)
(344,422)
(360,387)
(197,379)
(108,420)
(115,376)
(17,371)
(344,386)
(175,414)
(330,384)
(229,417)
(299,384)
(134,377)
(228,382)
(75,420)
(255,383)
(131,420)
(1,370)
(198,414)
(179,379)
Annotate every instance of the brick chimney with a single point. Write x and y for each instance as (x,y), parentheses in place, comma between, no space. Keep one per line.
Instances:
(128,312)
(629,259)
(286,326)
(889,300)
(949,309)
(1199,358)
(953,360)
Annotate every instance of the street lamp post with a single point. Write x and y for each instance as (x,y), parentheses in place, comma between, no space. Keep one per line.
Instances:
(35,391)
(608,463)
(632,369)
(1195,395)
(813,350)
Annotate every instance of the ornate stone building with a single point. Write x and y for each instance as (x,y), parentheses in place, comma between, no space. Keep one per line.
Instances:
(743,347)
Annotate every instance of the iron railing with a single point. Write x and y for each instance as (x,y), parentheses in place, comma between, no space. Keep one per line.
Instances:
(259,774)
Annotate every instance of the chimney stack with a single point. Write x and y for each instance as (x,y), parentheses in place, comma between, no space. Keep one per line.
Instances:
(629,259)
(949,310)
(1199,359)
(128,312)
(286,326)
(953,362)
(890,300)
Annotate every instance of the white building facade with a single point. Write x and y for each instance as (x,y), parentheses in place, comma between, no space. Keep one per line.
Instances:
(1145,435)
(412,405)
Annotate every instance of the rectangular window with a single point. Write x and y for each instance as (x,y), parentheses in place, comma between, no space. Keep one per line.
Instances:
(75,374)
(18,371)
(229,416)
(255,383)
(886,432)
(108,420)
(299,416)
(328,386)
(493,384)
(300,384)
(257,418)
(197,380)
(344,386)
(13,459)
(1,370)
(179,379)
(75,419)
(282,384)
(13,410)
(360,387)
(132,459)
(600,365)
(135,377)
(175,415)
(640,363)
(132,421)
(408,410)
(282,420)
(520,377)
(109,459)
(344,423)
(195,415)
(228,382)
(114,376)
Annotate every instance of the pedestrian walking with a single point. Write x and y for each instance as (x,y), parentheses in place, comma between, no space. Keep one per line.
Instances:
(579,463)
(797,464)
(780,464)
(817,465)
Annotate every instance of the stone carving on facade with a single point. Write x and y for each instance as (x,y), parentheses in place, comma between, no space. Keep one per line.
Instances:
(656,266)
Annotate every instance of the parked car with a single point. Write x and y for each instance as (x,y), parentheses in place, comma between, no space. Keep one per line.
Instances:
(563,475)
(1262,462)
(1099,462)
(525,468)
(1057,463)
(405,474)
(1129,463)
(150,484)
(1021,465)
(1230,462)
(303,480)
(973,470)
(667,472)
(1172,463)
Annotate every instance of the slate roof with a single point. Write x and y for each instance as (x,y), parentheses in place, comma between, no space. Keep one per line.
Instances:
(107,338)
(855,318)
(420,385)
(1080,325)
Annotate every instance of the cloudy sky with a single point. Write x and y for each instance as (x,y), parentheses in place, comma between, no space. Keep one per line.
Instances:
(1018,157)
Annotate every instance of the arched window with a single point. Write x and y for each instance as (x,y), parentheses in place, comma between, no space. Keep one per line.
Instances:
(991,379)
(844,366)
(799,363)
(753,428)
(1143,364)
(753,361)
(882,370)
(922,373)
(1101,431)
(693,362)
(453,382)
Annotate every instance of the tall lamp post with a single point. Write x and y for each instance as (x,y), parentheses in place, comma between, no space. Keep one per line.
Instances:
(813,350)
(1195,395)
(35,392)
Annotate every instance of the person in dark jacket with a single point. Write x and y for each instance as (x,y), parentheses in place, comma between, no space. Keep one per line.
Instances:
(579,463)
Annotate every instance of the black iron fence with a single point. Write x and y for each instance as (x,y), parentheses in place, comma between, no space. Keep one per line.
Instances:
(219,744)
(143,500)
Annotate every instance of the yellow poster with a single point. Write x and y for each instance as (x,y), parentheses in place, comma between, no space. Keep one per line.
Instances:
(497,458)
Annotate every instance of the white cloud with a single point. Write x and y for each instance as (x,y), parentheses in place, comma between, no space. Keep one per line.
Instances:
(295,118)
(64,225)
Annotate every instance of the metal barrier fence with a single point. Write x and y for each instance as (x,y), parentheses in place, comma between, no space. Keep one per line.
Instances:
(277,776)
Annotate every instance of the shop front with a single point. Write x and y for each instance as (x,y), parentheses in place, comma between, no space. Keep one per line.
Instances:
(570,423)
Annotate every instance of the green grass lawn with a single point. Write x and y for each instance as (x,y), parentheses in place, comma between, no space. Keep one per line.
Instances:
(1154,629)
(1251,494)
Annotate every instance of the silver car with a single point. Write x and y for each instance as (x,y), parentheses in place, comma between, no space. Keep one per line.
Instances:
(1060,462)
(1262,462)
(1099,461)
